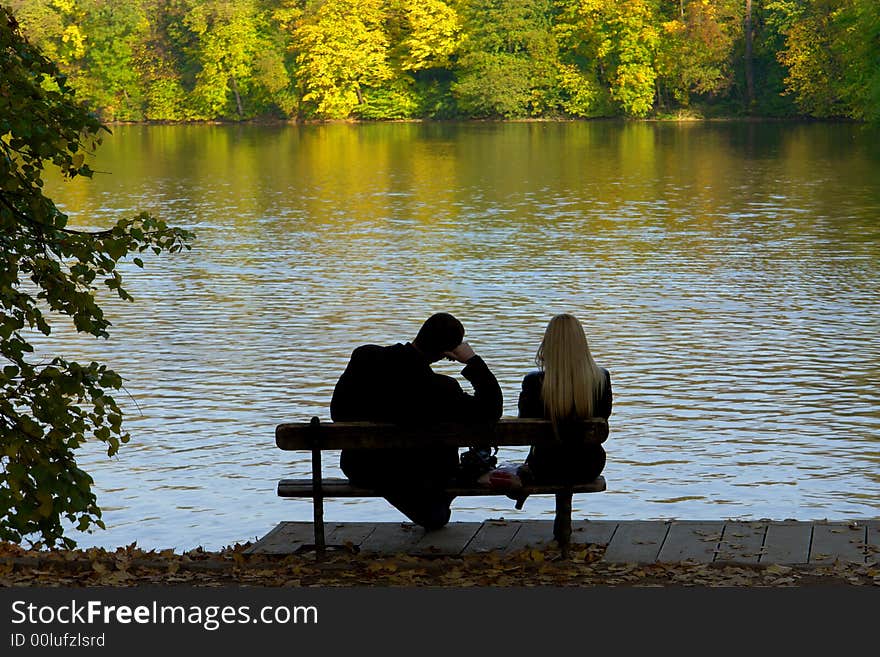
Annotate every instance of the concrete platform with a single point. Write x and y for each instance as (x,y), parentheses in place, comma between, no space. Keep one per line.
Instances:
(626,541)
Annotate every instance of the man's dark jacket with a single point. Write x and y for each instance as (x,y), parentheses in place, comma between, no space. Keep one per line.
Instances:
(396,384)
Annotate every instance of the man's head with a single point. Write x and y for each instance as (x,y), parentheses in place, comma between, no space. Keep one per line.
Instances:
(441,332)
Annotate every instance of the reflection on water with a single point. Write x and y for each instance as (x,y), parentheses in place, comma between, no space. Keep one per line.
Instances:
(726,274)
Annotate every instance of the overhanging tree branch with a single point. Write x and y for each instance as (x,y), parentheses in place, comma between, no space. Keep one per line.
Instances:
(46,413)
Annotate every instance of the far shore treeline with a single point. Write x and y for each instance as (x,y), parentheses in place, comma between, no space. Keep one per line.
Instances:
(196,60)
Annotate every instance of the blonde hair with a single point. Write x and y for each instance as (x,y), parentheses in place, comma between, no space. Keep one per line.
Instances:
(572,380)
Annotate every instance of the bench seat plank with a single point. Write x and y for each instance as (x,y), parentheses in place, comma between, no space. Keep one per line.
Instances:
(372,435)
(342,488)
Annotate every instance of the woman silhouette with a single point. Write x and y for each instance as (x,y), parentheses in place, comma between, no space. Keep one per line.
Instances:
(568,387)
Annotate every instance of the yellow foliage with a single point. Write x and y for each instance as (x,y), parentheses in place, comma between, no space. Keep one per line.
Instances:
(435,34)
(65,6)
(674,27)
(76,39)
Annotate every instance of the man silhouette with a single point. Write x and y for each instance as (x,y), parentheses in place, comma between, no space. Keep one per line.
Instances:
(396,384)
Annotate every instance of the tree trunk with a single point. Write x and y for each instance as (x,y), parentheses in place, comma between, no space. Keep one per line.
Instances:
(237,98)
(750,77)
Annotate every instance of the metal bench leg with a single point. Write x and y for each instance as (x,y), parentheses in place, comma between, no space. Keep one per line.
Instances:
(562,524)
(318,503)
(317,489)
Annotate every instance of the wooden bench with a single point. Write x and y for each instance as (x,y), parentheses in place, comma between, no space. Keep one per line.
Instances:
(317,436)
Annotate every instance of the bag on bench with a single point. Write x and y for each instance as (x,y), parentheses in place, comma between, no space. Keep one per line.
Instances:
(510,479)
(475,462)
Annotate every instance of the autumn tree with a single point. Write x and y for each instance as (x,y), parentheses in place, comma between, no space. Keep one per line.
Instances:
(54,27)
(341,50)
(424,37)
(95,42)
(273,87)
(812,56)
(581,75)
(758,78)
(427,34)
(238,58)
(695,55)
(49,272)
(619,41)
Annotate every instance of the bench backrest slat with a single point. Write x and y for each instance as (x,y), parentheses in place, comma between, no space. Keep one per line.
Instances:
(346,435)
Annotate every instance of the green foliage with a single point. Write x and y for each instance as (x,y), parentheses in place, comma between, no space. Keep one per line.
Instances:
(113,83)
(582,90)
(55,28)
(396,100)
(768,31)
(493,85)
(434,95)
(508,62)
(423,38)
(49,270)
(861,58)
(94,40)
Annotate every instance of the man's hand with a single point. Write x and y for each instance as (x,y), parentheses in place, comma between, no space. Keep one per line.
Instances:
(462,353)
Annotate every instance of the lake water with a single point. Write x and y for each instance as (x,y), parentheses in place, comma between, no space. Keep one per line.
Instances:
(726,274)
